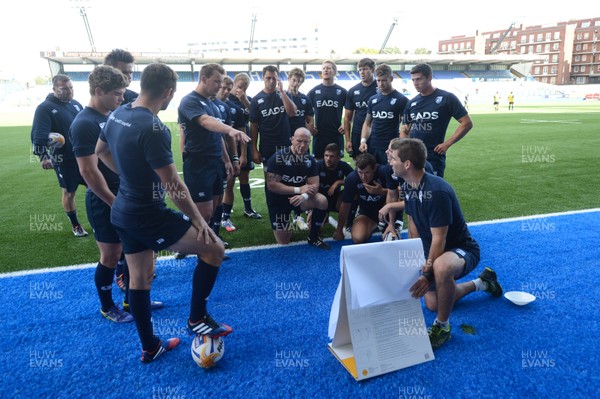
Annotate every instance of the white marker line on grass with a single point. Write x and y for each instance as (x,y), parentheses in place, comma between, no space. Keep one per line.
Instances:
(292,244)
(574,122)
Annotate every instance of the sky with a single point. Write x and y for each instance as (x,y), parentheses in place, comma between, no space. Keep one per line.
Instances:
(32,26)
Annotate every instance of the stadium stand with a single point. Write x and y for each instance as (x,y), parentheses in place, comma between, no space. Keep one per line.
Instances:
(490,75)
(448,75)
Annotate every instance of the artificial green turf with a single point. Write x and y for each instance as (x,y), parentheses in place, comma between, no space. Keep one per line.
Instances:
(535,160)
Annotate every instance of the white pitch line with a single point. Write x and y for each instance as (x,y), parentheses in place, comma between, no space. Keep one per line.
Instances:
(575,122)
(292,244)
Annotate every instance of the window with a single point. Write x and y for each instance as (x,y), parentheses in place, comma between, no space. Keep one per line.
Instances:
(578,47)
(555,58)
(530,38)
(548,36)
(586,35)
(553,70)
(585,46)
(523,39)
(583,68)
(545,71)
(579,36)
(584,58)
(580,80)
(576,69)
(540,37)
(585,24)
(577,58)
(556,35)
(523,50)
(538,48)
(443,47)
(547,47)
(555,46)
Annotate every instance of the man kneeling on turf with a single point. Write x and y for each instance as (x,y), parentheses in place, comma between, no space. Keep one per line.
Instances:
(293,184)
(451,253)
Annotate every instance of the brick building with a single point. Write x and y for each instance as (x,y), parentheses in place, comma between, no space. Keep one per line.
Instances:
(570,50)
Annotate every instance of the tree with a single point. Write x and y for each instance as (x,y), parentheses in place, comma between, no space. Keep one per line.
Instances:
(422,50)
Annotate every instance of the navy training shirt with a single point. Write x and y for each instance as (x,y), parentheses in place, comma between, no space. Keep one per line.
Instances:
(435,204)
(304,107)
(327,176)
(139,143)
(293,169)
(386,111)
(430,116)
(328,102)
(199,140)
(267,110)
(53,115)
(357,100)
(354,190)
(84,133)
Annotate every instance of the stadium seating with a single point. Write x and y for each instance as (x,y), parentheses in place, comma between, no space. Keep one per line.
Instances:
(490,75)
(448,75)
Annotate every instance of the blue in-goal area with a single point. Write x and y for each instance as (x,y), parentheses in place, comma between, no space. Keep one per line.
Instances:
(56,344)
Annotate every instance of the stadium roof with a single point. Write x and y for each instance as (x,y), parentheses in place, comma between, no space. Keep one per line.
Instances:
(262,58)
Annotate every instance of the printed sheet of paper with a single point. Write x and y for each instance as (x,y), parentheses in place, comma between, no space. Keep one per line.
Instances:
(376,326)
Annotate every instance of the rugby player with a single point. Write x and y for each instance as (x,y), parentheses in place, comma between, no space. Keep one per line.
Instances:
(107,87)
(270,111)
(384,113)
(293,184)
(355,109)
(366,186)
(428,114)
(238,96)
(332,175)
(328,99)
(55,115)
(451,253)
(137,145)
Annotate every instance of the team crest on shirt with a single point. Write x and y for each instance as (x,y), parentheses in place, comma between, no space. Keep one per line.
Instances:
(308,162)
(393,101)
(318,91)
(338,92)
(101,124)
(77,107)
(260,101)
(374,101)
(413,104)
(438,99)
(203,103)
(303,101)
(221,108)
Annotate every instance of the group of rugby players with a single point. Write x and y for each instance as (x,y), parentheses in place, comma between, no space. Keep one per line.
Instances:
(120,149)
